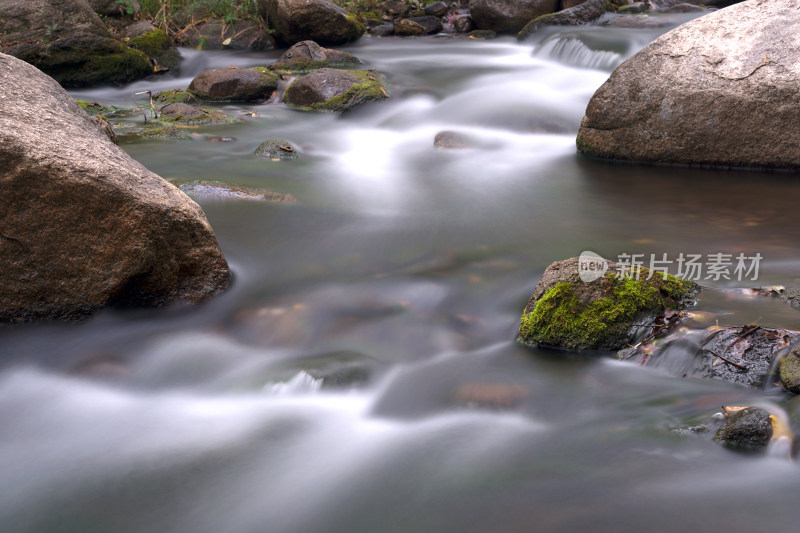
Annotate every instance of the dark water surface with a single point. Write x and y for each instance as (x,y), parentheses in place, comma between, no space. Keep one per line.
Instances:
(361,374)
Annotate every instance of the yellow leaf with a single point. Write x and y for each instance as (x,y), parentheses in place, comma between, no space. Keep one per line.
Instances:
(226,42)
(780,428)
(733,408)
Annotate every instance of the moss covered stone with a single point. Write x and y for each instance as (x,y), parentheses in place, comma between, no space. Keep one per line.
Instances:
(275,149)
(335,90)
(79,67)
(157,45)
(164,132)
(107,111)
(174,96)
(789,370)
(567,312)
(180,113)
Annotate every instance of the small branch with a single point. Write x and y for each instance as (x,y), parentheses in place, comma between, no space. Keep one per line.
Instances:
(737,365)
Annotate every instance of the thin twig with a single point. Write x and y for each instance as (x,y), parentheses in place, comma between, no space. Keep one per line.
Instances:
(737,365)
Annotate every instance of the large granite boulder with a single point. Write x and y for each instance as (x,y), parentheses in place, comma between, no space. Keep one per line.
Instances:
(83,225)
(67,40)
(321,21)
(508,16)
(721,90)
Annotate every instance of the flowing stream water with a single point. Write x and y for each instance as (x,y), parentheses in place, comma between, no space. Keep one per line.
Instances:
(361,374)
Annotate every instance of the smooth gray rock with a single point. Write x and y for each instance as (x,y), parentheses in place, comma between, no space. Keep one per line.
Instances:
(721,90)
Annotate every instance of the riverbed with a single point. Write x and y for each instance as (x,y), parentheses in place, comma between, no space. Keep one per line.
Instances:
(361,374)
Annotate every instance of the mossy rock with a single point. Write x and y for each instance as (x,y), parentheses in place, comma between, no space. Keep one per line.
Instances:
(157,45)
(175,96)
(180,113)
(79,67)
(335,90)
(69,42)
(276,149)
(605,314)
(789,370)
(164,132)
(107,111)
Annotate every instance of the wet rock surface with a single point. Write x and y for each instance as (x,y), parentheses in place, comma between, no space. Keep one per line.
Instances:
(276,149)
(409,28)
(217,191)
(575,15)
(133,239)
(234,84)
(743,355)
(748,430)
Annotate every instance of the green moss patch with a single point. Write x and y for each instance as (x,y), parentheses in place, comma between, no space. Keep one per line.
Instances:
(106,111)
(174,96)
(562,317)
(369,87)
(156,44)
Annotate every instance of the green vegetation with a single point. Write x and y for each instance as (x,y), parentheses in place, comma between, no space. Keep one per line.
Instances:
(228,10)
(562,318)
(175,16)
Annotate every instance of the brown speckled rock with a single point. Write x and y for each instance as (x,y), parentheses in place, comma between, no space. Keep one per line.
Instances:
(83,225)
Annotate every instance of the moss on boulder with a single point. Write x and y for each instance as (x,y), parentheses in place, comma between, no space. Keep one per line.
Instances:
(155,44)
(335,90)
(69,42)
(174,96)
(180,113)
(789,370)
(275,149)
(566,312)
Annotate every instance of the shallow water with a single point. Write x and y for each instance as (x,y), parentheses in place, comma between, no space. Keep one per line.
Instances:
(361,373)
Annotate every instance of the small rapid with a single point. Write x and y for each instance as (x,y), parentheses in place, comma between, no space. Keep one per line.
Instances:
(361,372)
